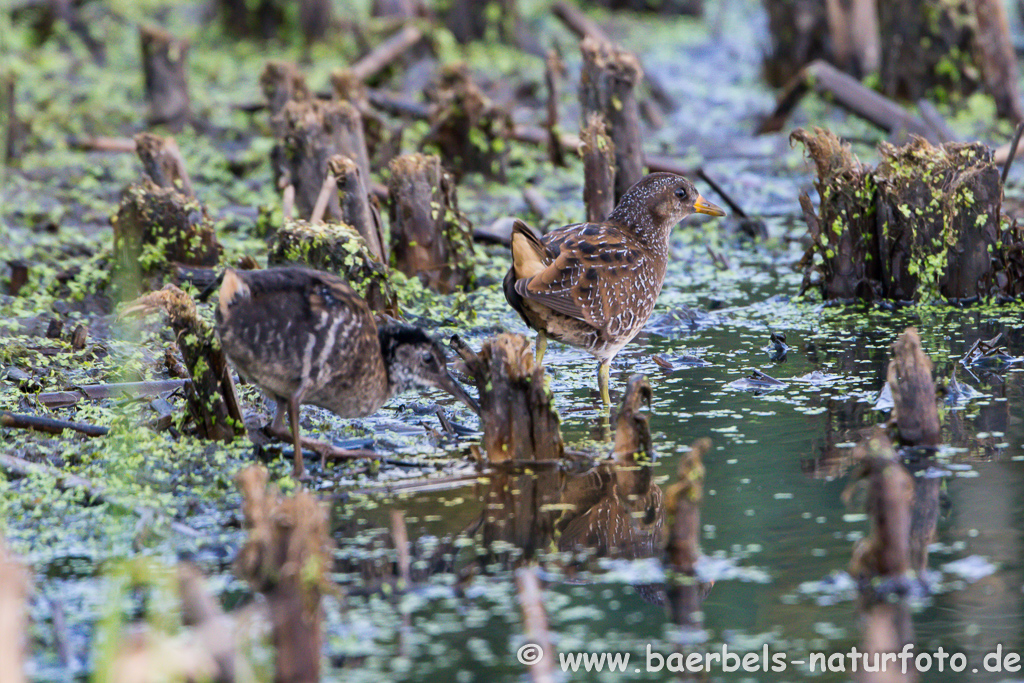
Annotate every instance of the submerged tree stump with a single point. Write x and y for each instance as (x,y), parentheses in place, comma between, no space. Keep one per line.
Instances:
(925,223)
(915,411)
(608,84)
(156,228)
(430,238)
(311,132)
(287,558)
(336,248)
(210,395)
(470,133)
(164,64)
(517,413)
(598,152)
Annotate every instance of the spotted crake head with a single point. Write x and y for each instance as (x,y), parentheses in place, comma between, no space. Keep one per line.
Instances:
(657,202)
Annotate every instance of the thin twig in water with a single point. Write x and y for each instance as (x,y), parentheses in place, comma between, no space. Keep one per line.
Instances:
(48,424)
(1013,152)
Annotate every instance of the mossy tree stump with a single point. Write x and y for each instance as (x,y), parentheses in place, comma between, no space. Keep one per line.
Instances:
(608,83)
(156,228)
(430,238)
(357,207)
(336,248)
(924,223)
(311,133)
(470,133)
(598,152)
(164,64)
(517,412)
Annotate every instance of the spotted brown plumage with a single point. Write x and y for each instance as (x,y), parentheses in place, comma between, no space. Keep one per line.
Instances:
(594,285)
(305,336)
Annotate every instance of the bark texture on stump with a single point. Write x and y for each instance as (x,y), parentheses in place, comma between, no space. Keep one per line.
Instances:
(517,413)
(311,133)
(799,34)
(336,248)
(598,152)
(430,238)
(211,397)
(281,83)
(915,411)
(155,228)
(924,223)
(357,208)
(164,64)
(382,144)
(471,134)
(844,229)
(608,82)
(998,59)
(163,163)
(287,558)
(938,219)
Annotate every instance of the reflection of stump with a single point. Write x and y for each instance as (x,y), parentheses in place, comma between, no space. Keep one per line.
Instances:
(430,237)
(287,557)
(598,152)
(608,88)
(913,392)
(313,132)
(157,227)
(682,503)
(164,60)
(470,133)
(517,414)
(844,229)
(924,223)
(885,552)
(335,248)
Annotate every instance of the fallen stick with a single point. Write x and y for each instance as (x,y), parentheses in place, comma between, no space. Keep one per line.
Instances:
(387,52)
(96,392)
(849,94)
(103,144)
(48,424)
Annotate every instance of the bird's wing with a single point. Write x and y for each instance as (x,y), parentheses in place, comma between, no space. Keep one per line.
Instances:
(590,276)
(332,294)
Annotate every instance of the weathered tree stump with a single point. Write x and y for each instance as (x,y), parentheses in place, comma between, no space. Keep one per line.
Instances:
(995,51)
(799,35)
(470,133)
(163,163)
(16,133)
(517,413)
(211,397)
(938,219)
(598,152)
(914,412)
(156,228)
(311,133)
(164,64)
(844,229)
(470,20)
(430,238)
(281,83)
(336,248)
(554,72)
(357,207)
(924,223)
(608,83)
(287,558)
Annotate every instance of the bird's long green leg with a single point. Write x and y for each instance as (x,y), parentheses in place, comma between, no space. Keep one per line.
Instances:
(542,346)
(602,381)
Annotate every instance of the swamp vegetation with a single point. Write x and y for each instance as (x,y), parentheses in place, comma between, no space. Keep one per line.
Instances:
(741,492)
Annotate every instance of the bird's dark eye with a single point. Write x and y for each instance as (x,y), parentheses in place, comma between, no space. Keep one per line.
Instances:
(681,192)
(428,359)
